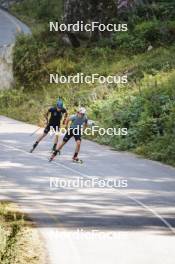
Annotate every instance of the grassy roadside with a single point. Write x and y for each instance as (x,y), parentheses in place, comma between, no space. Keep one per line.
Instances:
(146,106)
(19,240)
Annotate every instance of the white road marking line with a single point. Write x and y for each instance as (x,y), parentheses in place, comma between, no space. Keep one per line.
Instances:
(152,211)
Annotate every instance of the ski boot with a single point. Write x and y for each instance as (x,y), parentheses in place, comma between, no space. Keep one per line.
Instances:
(54,149)
(54,154)
(34,147)
(77,160)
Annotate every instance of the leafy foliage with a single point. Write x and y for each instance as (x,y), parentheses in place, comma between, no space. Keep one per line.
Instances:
(148,115)
(146,106)
(42,10)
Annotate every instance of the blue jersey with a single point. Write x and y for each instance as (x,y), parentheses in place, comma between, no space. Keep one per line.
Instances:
(56,116)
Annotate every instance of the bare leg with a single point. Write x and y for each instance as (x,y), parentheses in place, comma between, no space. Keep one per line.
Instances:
(56,140)
(77,149)
(41,137)
(37,142)
(59,146)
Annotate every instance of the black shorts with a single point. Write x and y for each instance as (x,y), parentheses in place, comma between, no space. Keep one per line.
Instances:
(48,127)
(70,133)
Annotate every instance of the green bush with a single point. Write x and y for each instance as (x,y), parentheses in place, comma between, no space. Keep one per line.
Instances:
(130,42)
(145,106)
(29,61)
(148,115)
(160,149)
(143,34)
(44,10)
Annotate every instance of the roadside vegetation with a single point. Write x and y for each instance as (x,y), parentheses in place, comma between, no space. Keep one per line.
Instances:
(146,105)
(19,240)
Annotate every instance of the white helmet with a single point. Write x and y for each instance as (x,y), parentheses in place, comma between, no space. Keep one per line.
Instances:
(82,110)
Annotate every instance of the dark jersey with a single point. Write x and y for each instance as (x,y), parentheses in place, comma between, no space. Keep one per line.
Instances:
(56,116)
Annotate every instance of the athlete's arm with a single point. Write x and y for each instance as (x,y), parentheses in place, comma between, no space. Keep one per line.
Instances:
(85,125)
(68,120)
(47,115)
(65,117)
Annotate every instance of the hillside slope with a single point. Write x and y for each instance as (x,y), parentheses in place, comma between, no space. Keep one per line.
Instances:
(145,106)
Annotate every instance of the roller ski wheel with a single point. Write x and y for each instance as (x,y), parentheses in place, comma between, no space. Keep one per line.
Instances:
(52,151)
(54,154)
(52,158)
(79,161)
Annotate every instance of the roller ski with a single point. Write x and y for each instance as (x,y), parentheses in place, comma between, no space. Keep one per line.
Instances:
(77,160)
(54,149)
(34,147)
(54,154)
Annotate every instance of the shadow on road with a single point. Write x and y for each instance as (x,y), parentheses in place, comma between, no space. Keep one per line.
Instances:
(25,178)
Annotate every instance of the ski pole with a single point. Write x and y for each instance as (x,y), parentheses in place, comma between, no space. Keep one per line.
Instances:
(35,131)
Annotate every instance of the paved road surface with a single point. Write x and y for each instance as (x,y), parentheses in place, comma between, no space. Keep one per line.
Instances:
(10,27)
(90,225)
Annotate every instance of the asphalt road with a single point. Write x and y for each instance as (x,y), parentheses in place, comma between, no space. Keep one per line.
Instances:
(10,27)
(130,225)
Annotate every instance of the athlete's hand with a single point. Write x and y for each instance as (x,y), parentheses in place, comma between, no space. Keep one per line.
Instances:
(64,121)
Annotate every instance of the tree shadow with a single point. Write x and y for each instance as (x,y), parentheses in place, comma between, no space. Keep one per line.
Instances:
(25,178)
